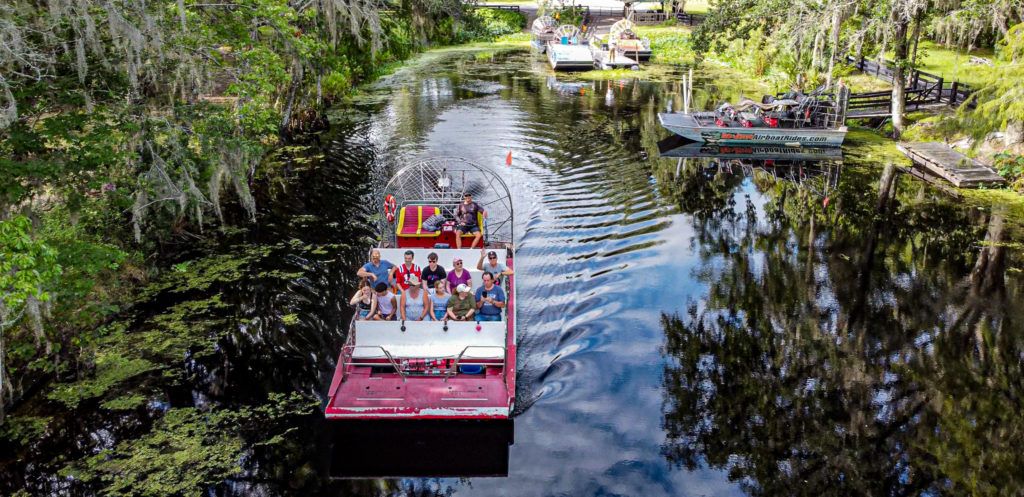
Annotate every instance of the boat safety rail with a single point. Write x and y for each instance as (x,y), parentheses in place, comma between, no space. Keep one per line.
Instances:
(455,368)
(398,366)
(351,348)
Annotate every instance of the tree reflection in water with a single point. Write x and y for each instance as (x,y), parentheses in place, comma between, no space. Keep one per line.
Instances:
(846,349)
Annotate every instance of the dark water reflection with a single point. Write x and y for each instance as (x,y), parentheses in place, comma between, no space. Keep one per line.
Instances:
(690,327)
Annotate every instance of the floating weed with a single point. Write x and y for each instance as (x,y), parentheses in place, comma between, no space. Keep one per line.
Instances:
(22,430)
(202,274)
(186,451)
(189,449)
(112,368)
(124,403)
(188,325)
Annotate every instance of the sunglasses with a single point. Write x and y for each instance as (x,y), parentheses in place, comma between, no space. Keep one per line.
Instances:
(431,260)
(492,257)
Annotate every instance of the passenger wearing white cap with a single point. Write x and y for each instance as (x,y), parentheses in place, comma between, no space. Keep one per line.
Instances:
(415,304)
(462,305)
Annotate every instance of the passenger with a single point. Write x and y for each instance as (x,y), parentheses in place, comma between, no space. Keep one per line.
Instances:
(458,276)
(364,301)
(490,299)
(433,272)
(415,303)
(439,301)
(462,305)
(493,266)
(466,217)
(405,271)
(376,271)
(386,304)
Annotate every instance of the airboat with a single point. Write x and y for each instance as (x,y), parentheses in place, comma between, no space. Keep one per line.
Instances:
(567,50)
(542,31)
(794,119)
(434,369)
(622,36)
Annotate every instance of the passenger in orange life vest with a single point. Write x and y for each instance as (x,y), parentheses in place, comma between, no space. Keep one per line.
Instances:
(466,217)
(402,273)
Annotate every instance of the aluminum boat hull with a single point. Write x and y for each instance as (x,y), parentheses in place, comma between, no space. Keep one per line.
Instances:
(570,57)
(687,127)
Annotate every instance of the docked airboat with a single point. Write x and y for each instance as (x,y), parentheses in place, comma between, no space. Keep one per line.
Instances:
(434,369)
(623,38)
(568,51)
(542,31)
(793,119)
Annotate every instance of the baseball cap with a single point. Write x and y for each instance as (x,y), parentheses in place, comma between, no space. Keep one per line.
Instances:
(462,288)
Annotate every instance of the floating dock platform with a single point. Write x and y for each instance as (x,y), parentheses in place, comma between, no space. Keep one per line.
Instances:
(619,62)
(941,161)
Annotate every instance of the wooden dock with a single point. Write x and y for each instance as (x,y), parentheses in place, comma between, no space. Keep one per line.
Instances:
(620,61)
(941,161)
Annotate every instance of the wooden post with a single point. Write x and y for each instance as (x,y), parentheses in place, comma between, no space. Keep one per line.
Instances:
(952,92)
(938,98)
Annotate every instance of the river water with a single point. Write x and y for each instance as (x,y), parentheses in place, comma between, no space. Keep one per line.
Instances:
(692,327)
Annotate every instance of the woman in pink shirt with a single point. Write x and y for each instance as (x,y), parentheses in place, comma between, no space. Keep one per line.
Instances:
(458,276)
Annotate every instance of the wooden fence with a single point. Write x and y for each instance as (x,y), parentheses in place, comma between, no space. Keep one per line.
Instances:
(926,87)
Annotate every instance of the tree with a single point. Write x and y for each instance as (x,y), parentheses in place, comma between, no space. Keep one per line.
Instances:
(27,268)
(999,104)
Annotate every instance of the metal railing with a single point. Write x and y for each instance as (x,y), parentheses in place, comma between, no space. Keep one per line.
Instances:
(448,371)
(351,348)
(455,367)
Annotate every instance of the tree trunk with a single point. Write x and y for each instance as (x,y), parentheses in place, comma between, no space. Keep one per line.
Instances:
(901,46)
(917,38)
(1014,133)
(885,188)
(837,22)
(987,275)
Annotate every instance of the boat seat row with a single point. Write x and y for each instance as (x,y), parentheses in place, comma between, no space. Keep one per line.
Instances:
(428,339)
(410,233)
(444,258)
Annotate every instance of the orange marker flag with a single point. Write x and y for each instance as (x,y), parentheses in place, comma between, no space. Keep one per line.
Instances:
(508,158)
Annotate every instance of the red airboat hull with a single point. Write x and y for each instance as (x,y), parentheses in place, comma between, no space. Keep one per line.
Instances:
(356,393)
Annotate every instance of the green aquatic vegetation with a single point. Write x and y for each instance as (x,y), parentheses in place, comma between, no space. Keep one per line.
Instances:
(190,325)
(203,274)
(112,369)
(22,430)
(290,319)
(871,147)
(189,449)
(125,402)
(186,450)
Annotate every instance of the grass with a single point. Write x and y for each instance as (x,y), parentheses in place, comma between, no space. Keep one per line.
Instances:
(647,72)
(861,83)
(954,65)
(509,2)
(697,6)
(670,44)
